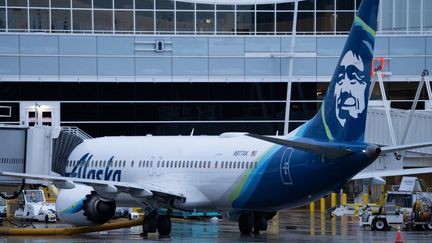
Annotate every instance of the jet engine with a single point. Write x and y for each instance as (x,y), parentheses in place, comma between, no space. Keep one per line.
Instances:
(82,206)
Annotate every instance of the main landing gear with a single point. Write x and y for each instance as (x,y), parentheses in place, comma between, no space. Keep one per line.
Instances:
(153,221)
(255,222)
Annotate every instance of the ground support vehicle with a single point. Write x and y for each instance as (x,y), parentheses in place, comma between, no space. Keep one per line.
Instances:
(32,206)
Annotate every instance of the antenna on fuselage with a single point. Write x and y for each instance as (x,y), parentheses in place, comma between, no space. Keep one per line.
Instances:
(192,132)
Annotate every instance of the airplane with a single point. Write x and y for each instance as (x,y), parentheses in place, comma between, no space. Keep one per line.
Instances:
(249,176)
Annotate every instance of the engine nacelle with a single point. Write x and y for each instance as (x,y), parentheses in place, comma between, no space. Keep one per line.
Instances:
(82,206)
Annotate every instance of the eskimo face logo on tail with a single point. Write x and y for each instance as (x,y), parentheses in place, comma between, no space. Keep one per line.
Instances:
(81,170)
(350,88)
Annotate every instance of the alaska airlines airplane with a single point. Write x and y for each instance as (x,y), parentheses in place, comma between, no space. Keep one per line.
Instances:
(250,176)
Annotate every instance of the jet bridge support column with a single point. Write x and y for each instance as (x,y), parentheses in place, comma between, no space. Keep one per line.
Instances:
(39,151)
(424,79)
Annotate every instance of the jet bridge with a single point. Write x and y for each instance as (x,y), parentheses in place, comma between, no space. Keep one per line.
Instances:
(36,150)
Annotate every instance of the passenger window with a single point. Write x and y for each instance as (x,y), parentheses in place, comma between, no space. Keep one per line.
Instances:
(222,164)
(200,164)
(216,164)
(230,164)
(183,164)
(132,164)
(242,166)
(158,164)
(196,164)
(163,163)
(175,164)
(208,164)
(255,164)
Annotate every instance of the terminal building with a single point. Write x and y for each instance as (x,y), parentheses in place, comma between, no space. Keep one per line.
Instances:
(166,67)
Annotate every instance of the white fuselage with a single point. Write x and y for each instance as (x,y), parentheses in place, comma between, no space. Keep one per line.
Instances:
(205,169)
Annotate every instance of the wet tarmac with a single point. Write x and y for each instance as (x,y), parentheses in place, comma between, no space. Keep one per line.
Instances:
(292,226)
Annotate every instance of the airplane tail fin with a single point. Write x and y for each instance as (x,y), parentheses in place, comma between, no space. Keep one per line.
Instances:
(342,116)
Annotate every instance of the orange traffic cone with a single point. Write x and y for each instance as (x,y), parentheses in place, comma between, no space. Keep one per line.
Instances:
(399,237)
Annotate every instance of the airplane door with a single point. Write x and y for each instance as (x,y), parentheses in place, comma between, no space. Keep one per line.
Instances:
(285,167)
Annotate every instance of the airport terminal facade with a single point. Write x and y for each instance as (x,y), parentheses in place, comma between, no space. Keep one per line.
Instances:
(163,67)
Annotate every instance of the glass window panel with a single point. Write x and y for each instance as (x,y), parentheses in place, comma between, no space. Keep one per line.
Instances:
(358,2)
(185,21)
(344,21)
(144,21)
(387,19)
(60,19)
(2,19)
(265,22)
(284,21)
(225,7)
(17,3)
(102,20)
(102,3)
(123,4)
(82,20)
(17,19)
(303,110)
(2,2)
(144,4)
(415,15)
(401,8)
(225,22)
(307,5)
(345,4)
(245,7)
(164,4)
(325,5)
(200,6)
(165,21)
(205,22)
(123,21)
(427,16)
(82,3)
(39,3)
(305,22)
(285,6)
(39,19)
(184,6)
(60,3)
(265,7)
(245,22)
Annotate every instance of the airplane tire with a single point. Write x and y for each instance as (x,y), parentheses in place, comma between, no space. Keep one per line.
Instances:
(429,224)
(379,224)
(149,224)
(260,223)
(164,225)
(245,224)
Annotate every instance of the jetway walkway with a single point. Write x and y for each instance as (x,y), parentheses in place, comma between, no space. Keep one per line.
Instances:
(37,150)
(386,126)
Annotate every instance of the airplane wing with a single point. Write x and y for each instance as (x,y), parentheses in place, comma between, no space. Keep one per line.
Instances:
(108,189)
(375,177)
(389,149)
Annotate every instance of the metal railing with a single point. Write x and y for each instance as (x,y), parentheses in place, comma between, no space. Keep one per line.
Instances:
(76,131)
